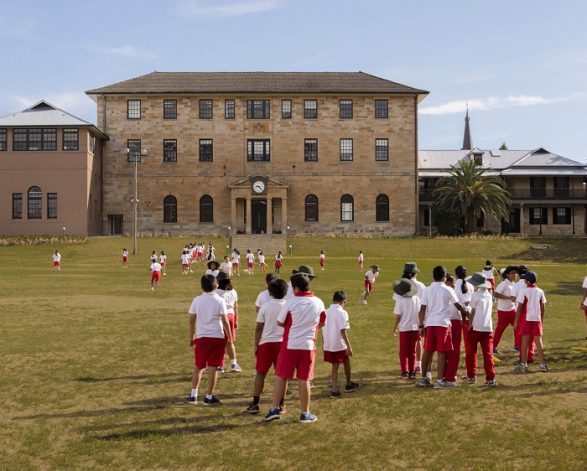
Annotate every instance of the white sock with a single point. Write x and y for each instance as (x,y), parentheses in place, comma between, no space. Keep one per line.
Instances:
(194,392)
(233,362)
(418,364)
(208,396)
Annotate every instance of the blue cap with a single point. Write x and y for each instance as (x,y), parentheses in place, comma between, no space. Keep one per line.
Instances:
(530,276)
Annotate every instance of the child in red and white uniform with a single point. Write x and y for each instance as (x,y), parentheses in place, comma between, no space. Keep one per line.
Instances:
(155,270)
(361,260)
(185,262)
(529,319)
(268,338)
(209,332)
(212,268)
(434,320)
(584,302)
(278,261)
(124,258)
(520,286)
(490,273)
(460,325)
(481,332)
(264,295)
(406,310)
(322,259)
(261,257)
(301,318)
(368,283)
(154,257)
(337,346)
(57,261)
(506,308)
(250,262)
(235,259)
(230,296)
(163,262)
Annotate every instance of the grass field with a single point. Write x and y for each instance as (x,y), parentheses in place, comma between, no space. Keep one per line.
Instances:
(95,368)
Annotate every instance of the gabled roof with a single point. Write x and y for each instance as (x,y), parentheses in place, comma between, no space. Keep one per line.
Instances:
(256,82)
(44,113)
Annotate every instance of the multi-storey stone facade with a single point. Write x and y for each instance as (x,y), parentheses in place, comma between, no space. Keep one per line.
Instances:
(260,153)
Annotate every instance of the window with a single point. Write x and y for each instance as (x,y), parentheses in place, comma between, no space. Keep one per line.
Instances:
(381,150)
(382,208)
(133,109)
(35,203)
(205,109)
(206,209)
(70,139)
(229,109)
(537,187)
(310,150)
(3,139)
(258,109)
(538,216)
(134,150)
(169,150)
(381,108)
(347,212)
(346,149)
(169,109)
(34,139)
(311,208)
(92,143)
(170,209)
(345,109)
(258,150)
(206,150)
(51,205)
(16,205)
(285,109)
(561,215)
(561,186)
(310,109)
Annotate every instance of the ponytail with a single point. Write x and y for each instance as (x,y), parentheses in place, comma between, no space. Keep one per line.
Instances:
(461,273)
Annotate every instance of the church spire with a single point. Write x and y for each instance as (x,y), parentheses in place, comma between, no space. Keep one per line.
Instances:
(467,141)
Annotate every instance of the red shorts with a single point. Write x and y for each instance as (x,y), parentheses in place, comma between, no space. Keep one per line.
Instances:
(492,283)
(125,259)
(184,265)
(585,310)
(299,361)
(368,286)
(230,319)
(321,262)
(533,328)
(437,339)
(209,351)
(56,264)
(336,357)
(277,263)
(235,266)
(267,355)
(156,276)
(249,265)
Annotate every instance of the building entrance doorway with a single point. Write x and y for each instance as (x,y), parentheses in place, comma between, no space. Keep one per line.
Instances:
(513,225)
(259,216)
(115,224)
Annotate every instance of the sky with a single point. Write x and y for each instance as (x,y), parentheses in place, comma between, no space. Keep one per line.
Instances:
(521,65)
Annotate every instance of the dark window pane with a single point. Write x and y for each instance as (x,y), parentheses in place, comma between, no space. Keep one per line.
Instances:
(258,109)
(51,205)
(133,109)
(206,150)
(229,109)
(382,208)
(346,149)
(381,108)
(346,109)
(169,109)
(205,109)
(16,205)
(347,212)
(70,139)
(170,209)
(310,109)
(134,150)
(286,109)
(310,150)
(561,215)
(311,208)
(258,150)
(169,150)
(35,203)
(381,149)
(538,216)
(206,209)
(3,139)
(19,139)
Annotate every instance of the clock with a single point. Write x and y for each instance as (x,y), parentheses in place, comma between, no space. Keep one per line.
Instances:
(259,186)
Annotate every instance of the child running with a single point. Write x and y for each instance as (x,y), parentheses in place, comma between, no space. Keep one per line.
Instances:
(361,260)
(337,346)
(261,257)
(490,273)
(278,261)
(235,258)
(163,262)
(185,262)
(57,261)
(230,296)
(369,281)
(155,270)
(124,258)
(209,331)
(250,262)
(322,259)
(406,310)
(268,337)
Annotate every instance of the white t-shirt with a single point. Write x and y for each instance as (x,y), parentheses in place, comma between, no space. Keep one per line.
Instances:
(289,294)
(261,259)
(301,316)
(420,286)
(437,298)
(360,259)
(408,307)
(230,298)
(506,287)
(209,271)
(585,287)
(337,319)
(162,259)
(155,267)
(208,309)
(185,259)
(533,295)
(56,257)
(267,315)
(235,258)
(519,285)
(464,298)
(250,258)
(482,302)
(262,298)
(226,267)
(488,272)
(371,276)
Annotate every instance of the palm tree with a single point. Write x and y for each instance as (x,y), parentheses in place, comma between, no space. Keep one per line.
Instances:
(471,193)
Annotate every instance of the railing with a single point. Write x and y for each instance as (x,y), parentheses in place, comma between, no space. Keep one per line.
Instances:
(530,194)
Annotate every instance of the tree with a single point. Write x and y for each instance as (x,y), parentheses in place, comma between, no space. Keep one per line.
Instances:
(503,147)
(472,193)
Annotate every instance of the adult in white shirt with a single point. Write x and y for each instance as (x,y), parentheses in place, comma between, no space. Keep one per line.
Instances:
(209,332)
(481,332)
(226,267)
(155,270)
(268,337)
(506,308)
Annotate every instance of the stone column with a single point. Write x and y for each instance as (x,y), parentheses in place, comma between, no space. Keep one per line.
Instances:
(269,214)
(248,212)
(232,215)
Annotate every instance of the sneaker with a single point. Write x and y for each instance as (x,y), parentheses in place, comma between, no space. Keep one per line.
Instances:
(496,351)
(220,369)
(213,401)
(351,387)
(192,399)
(418,369)
(423,383)
(235,368)
(521,369)
(516,348)
(451,384)
(491,383)
(252,409)
(544,368)
(440,384)
(404,375)
(335,394)
(469,380)
(307,417)
(282,410)
(412,375)
(273,414)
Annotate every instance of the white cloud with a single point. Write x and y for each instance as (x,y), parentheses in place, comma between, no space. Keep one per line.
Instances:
(489,103)
(76,103)
(203,9)
(123,51)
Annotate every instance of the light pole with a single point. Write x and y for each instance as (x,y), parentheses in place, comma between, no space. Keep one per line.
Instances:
(63,229)
(135,200)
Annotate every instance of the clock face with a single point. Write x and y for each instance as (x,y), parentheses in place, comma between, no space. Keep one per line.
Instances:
(259,186)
